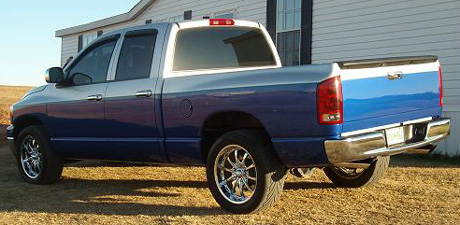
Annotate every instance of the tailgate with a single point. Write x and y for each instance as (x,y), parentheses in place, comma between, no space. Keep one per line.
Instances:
(384,91)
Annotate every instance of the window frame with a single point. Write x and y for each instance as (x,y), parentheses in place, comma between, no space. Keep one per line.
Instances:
(87,39)
(134,33)
(279,31)
(220,13)
(112,38)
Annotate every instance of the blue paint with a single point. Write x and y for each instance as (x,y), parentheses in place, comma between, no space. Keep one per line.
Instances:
(140,149)
(184,150)
(298,152)
(376,97)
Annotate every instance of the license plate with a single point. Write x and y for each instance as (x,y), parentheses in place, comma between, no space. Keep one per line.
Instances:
(395,136)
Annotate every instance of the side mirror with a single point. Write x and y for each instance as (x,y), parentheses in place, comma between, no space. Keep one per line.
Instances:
(54,75)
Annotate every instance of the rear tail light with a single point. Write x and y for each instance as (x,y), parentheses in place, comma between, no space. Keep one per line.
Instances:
(330,101)
(221,22)
(441,94)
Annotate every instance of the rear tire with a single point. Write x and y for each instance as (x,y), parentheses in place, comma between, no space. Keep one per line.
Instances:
(37,163)
(346,177)
(258,175)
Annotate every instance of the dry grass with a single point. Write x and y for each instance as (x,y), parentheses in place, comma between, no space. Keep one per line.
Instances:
(110,194)
(8,96)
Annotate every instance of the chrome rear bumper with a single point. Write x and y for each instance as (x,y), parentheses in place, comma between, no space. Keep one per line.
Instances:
(373,144)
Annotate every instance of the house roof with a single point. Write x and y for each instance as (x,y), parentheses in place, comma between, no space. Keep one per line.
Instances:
(131,15)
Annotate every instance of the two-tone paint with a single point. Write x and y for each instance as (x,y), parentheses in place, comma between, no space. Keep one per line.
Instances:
(168,125)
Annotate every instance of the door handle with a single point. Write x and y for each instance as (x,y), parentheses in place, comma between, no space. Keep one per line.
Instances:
(144,94)
(94,98)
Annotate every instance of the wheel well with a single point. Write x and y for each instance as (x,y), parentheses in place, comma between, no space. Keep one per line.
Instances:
(23,122)
(219,123)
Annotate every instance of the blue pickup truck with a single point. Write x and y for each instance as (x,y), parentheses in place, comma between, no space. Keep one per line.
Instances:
(213,93)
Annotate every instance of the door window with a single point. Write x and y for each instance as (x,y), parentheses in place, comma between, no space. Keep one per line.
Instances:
(93,65)
(136,56)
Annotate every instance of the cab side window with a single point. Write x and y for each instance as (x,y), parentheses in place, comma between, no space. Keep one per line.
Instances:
(136,55)
(93,65)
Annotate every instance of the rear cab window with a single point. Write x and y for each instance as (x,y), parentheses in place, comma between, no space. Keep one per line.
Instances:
(207,48)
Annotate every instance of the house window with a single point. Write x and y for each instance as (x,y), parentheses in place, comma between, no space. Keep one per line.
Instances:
(288,28)
(226,14)
(178,18)
(229,14)
(88,38)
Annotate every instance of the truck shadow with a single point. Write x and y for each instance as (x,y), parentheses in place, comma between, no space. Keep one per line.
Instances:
(115,197)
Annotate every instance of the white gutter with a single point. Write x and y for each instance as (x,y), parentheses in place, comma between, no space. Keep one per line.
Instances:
(131,15)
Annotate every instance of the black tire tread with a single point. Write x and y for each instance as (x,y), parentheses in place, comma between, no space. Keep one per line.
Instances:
(370,176)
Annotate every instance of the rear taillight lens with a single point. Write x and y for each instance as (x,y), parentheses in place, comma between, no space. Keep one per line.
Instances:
(441,95)
(221,22)
(330,101)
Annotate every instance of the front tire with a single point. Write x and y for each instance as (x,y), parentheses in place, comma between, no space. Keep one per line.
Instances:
(243,172)
(37,163)
(348,177)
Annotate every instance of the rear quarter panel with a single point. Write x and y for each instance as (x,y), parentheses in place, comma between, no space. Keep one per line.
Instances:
(282,99)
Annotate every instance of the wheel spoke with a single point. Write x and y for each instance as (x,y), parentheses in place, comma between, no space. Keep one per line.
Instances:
(236,157)
(250,167)
(247,185)
(224,182)
(244,159)
(240,186)
(231,163)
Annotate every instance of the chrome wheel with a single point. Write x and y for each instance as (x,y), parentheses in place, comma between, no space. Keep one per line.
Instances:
(235,174)
(348,173)
(31,157)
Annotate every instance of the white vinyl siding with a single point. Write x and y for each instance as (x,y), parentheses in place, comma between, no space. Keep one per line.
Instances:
(163,10)
(360,29)
(69,47)
(254,10)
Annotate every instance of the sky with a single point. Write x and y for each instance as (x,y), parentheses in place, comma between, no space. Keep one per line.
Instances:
(28,46)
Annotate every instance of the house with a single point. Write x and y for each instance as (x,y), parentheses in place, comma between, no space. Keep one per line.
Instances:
(320,31)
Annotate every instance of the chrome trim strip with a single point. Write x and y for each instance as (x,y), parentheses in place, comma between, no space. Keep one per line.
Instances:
(373,144)
(373,129)
(421,120)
